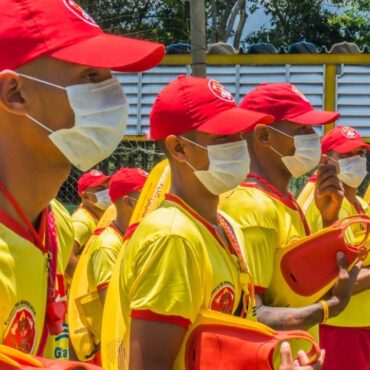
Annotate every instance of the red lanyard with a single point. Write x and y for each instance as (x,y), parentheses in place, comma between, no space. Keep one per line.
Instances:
(47,246)
(31,230)
(288,200)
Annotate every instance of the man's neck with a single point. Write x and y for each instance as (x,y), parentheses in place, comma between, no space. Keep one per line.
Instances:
(273,175)
(30,181)
(95,211)
(198,198)
(122,222)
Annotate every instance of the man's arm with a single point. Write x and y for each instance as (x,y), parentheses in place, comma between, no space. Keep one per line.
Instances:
(154,344)
(363,281)
(283,318)
(73,260)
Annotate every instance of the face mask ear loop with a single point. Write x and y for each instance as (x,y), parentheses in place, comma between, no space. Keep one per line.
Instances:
(41,81)
(274,150)
(280,132)
(39,123)
(193,142)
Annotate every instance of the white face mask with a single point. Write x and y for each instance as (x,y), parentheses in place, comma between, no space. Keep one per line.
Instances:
(307,153)
(101,115)
(352,170)
(103,200)
(228,166)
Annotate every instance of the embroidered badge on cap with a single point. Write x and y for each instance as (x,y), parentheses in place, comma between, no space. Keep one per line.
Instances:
(299,93)
(96,173)
(220,91)
(79,12)
(349,132)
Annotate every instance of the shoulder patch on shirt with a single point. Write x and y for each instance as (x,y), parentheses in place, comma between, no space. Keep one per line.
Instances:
(222,298)
(21,332)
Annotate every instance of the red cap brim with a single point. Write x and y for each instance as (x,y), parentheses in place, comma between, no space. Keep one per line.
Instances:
(233,121)
(351,145)
(113,52)
(314,118)
(99,180)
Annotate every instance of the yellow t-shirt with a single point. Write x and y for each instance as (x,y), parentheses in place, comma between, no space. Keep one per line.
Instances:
(174,265)
(104,252)
(357,313)
(267,223)
(23,285)
(84,225)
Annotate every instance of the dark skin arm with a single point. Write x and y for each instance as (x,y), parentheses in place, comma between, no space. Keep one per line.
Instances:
(283,318)
(154,344)
(363,281)
(329,192)
(73,260)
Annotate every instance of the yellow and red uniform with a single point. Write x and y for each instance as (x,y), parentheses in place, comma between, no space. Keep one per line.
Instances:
(268,221)
(24,284)
(84,224)
(347,336)
(104,252)
(175,264)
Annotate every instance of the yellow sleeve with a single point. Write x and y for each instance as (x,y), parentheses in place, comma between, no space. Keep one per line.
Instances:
(168,278)
(82,232)
(261,244)
(102,261)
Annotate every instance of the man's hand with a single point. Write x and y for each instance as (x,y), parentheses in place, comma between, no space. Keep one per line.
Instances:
(287,363)
(342,290)
(329,192)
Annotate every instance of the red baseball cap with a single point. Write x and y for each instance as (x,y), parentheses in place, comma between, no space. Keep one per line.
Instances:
(199,104)
(90,180)
(61,29)
(126,181)
(342,139)
(286,103)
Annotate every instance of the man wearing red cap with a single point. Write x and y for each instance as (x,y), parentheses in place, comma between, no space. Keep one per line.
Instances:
(185,255)
(93,189)
(269,214)
(59,105)
(346,337)
(124,190)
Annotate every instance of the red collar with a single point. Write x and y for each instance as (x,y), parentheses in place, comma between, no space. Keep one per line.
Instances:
(271,190)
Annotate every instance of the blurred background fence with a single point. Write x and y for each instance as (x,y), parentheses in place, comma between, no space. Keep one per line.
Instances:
(144,154)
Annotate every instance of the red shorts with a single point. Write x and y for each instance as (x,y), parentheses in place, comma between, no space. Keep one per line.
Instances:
(346,348)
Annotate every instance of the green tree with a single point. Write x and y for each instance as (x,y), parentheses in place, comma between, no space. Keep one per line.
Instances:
(354,21)
(292,21)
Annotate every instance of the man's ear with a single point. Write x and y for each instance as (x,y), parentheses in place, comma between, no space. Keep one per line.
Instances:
(261,134)
(11,99)
(176,148)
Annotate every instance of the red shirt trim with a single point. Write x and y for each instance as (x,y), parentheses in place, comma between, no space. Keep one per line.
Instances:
(102,286)
(12,224)
(259,289)
(195,214)
(152,316)
(292,205)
